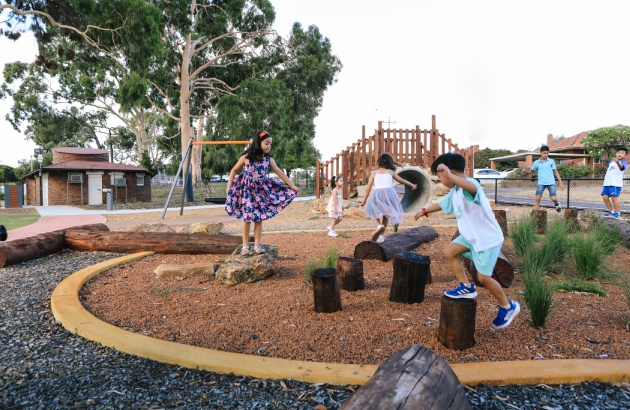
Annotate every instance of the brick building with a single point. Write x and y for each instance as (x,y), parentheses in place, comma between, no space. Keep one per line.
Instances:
(81,176)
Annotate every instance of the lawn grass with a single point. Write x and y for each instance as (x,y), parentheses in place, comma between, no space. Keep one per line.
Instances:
(18,220)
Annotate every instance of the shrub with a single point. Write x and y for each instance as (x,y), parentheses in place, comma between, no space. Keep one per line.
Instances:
(574,171)
(538,297)
(331,257)
(523,235)
(608,238)
(588,257)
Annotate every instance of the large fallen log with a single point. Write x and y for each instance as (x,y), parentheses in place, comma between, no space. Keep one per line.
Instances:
(37,246)
(402,241)
(159,242)
(413,378)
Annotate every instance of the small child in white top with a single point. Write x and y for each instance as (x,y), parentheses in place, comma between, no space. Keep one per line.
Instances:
(613,182)
(383,206)
(335,204)
(480,236)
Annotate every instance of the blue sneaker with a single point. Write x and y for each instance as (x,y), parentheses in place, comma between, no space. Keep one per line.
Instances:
(462,292)
(608,214)
(616,215)
(505,316)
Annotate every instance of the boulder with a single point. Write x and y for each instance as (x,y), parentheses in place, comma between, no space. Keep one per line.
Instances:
(355,213)
(239,269)
(207,228)
(185,271)
(153,227)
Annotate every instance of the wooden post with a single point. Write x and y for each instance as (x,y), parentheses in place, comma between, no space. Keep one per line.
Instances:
(350,273)
(570,215)
(326,291)
(413,378)
(540,217)
(501,218)
(457,323)
(410,277)
(317,181)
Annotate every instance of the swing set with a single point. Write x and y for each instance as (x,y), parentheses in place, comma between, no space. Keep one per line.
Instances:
(188,158)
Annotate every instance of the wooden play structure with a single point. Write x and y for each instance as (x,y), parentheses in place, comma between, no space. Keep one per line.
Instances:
(419,147)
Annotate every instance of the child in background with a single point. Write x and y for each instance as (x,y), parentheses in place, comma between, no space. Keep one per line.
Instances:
(613,182)
(546,170)
(335,204)
(480,236)
(252,196)
(383,206)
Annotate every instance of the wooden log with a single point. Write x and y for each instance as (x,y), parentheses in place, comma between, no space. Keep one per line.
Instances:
(540,217)
(160,242)
(571,217)
(410,277)
(37,246)
(350,273)
(457,323)
(401,241)
(500,216)
(412,378)
(503,271)
(326,290)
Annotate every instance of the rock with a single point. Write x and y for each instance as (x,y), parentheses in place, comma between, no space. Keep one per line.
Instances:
(441,189)
(185,271)
(209,228)
(246,269)
(355,213)
(153,227)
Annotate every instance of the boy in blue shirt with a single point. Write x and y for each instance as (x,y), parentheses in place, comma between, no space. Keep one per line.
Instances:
(613,182)
(546,168)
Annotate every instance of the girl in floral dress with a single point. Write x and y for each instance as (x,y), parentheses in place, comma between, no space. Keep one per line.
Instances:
(252,196)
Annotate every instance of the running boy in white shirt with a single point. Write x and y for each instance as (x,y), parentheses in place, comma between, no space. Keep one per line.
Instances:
(480,236)
(613,182)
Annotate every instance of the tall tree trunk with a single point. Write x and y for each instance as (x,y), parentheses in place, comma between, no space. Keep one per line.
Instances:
(196,153)
(184,98)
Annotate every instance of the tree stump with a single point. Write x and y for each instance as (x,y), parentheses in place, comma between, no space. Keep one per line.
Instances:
(351,273)
(501,218)
(571,217)
(540,217)
(410,277)
(401,241)
(413,378)
(457,323)
(326,291)
(503,271)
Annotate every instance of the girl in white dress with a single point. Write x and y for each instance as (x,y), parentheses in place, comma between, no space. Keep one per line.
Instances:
(335,204)
(383,206)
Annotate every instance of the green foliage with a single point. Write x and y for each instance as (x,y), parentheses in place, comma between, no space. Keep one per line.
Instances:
(574,171)
(310,267)
(603,142)
(523,235)
(7,174)
(555,243)
(331,257)
(607,238)
(578,285)
(18,220)
(482,158)
(588,256)
(538,297)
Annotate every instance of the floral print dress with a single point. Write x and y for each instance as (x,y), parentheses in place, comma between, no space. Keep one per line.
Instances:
(254,197)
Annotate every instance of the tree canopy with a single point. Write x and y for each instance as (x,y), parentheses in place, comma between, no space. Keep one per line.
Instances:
(482,158)
(602,143)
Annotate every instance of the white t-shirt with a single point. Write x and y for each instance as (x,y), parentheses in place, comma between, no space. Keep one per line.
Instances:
(475,219)
(614,175)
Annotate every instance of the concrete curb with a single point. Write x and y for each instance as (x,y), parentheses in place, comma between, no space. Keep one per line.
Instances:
(67,310)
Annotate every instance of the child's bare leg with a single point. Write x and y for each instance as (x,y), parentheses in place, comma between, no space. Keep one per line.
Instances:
(495,289)
(537,205)
(257,232)
(334,223)
(385,222)
(615,201)
(607,202)
(245,233)
(451,252)
(554,199)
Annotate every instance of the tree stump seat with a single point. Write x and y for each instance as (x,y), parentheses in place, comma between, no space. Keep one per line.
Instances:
(412,378)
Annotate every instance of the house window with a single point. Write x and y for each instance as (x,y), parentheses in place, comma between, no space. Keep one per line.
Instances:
(140,179)
(115,176)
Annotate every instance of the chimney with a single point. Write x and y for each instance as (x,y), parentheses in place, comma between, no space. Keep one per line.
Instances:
(549,139)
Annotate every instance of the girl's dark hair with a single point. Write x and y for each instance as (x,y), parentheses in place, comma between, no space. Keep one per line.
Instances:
(386,161)
(255,152)
(333,182)
(453,160)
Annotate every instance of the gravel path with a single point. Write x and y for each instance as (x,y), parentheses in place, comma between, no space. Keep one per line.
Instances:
(45,367)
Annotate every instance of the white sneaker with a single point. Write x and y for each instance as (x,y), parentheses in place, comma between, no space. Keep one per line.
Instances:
(328,227)
(380,239)
(378,232)
(332,233)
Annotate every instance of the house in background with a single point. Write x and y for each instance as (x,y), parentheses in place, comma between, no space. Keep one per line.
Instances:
(79,176)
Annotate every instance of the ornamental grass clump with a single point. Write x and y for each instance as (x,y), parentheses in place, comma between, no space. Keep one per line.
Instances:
(331,257)
(589,257)
(538,297)
(310,267)
(555,243)
(608,238)
(523,235)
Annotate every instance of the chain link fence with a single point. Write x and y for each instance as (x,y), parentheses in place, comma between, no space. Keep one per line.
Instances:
(578,193)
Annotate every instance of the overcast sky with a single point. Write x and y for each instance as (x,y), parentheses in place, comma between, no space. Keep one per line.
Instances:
(495,73)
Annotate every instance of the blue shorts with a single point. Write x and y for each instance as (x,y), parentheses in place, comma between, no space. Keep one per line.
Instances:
(484,260)
(541,188)
(611,190)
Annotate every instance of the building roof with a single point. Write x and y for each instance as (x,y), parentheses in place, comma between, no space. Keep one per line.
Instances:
(568,143)
(81,166)
(522,156)
(81,151)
